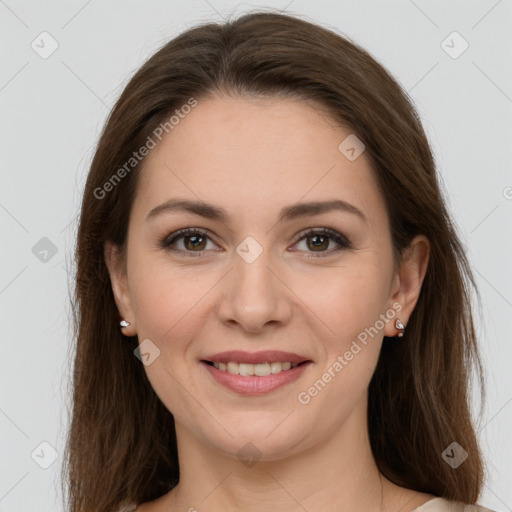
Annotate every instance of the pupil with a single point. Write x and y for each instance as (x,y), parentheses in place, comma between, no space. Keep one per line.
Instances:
(318,244)
(194,241)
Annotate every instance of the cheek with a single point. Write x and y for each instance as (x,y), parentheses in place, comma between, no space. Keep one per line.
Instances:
(350,305)
(169,307)
(346,300)
(168,300)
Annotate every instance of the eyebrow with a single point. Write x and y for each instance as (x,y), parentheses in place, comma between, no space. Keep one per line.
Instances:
(286,214)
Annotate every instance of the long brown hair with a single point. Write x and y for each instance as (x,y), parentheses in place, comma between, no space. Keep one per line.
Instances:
(122,444)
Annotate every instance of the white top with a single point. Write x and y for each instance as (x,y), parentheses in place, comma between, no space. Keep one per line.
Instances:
(433,505)
(128,508)
(444,505)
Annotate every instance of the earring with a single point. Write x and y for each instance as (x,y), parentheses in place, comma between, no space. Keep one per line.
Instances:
(124,323)
(400,326)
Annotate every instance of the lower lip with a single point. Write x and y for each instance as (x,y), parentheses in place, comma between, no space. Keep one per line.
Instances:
(253,384)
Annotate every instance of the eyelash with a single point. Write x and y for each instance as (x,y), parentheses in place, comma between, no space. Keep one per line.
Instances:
(340,239)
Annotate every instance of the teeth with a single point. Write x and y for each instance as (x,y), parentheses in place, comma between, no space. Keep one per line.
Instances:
(276,367)
(245,369)
(261,369)
(233,368)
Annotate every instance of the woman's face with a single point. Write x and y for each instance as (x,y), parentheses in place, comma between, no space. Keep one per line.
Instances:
(252,279)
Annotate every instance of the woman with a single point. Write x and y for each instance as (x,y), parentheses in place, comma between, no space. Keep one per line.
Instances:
(272,303)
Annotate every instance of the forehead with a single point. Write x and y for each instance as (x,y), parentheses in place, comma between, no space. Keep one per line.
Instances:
(257,155)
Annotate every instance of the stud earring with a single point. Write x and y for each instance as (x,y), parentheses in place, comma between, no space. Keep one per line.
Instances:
(400,326)
(124,323)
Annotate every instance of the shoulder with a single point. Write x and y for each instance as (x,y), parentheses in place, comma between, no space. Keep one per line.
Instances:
(130,507)
(433,505)
(444,505)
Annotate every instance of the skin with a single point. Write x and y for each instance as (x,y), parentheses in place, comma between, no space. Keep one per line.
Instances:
(252,157)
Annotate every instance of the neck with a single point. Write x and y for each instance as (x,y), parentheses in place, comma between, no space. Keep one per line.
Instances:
(338,473)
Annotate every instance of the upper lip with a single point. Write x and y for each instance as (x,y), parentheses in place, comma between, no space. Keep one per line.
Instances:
(264,356)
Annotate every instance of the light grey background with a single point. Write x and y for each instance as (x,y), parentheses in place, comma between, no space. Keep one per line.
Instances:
(52,111)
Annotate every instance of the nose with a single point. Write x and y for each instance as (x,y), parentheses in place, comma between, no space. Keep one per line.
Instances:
(255,295)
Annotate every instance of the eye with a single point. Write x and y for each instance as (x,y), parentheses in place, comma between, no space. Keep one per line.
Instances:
(194,240)
(318,241)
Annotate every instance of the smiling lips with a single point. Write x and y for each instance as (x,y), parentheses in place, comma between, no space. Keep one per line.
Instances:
(255,372)
(260,369)
(263,363)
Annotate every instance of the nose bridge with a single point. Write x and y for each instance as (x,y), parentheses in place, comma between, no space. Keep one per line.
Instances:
(251,272)
(253,295)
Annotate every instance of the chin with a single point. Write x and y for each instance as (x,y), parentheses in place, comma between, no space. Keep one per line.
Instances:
(265,440)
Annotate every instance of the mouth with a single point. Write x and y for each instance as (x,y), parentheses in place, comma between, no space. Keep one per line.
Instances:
(259,370)
(255,373)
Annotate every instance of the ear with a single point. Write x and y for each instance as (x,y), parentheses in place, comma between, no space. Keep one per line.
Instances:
(408,280)
(120,288)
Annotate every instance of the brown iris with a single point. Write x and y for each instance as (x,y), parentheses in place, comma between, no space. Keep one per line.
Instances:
(318,245)
(195,244)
